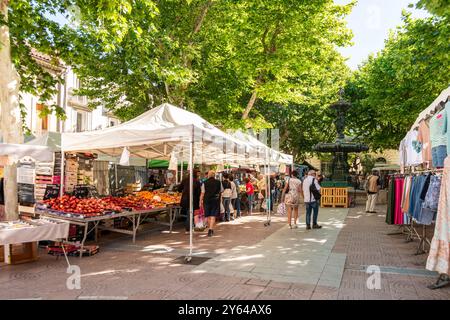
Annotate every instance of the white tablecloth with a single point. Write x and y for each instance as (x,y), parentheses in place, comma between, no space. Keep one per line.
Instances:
(47,231)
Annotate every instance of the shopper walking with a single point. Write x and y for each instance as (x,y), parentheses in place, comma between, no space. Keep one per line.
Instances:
(237,203)
(250,190)
(311,197)
(226,195)
(234,195)
(211,191)
(184,188)
(261,184)
(291,194)
(273,188)
(372,187)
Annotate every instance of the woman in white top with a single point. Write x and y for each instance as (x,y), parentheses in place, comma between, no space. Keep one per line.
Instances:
(291,193)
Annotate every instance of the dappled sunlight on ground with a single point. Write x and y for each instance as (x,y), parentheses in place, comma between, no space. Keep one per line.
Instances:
(241,258)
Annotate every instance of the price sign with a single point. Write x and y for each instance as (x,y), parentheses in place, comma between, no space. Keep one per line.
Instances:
(51,191)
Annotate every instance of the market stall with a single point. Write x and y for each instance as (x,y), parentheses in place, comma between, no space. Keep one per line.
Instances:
(161,133)
(164,133)
(418,196)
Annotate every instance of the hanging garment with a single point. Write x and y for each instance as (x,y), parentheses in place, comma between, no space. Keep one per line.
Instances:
(424,138)
(412,195)
(430,205)
(438,138)
(421,191)
(413,149)
(447,123)
(402,155)
(406,192)
(390,213)
(439,256)
(398,214)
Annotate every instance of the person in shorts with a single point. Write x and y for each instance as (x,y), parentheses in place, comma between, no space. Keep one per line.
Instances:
(210,198)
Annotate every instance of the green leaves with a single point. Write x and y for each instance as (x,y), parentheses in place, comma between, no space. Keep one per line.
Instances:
(393,87)
(208,56)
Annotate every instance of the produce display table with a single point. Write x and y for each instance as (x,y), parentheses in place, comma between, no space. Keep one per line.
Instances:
(134,216)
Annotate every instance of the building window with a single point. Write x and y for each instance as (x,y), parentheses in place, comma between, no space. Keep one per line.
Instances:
(42,120)
(112,123)
(81,121)
(381,160)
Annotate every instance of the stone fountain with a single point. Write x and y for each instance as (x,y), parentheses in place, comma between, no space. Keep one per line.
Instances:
(342,146)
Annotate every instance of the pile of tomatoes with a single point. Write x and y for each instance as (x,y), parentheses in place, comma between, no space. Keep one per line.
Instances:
(94,207)
(88,207)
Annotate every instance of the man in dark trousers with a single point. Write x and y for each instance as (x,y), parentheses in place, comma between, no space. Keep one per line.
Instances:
(210,200)
(184,187)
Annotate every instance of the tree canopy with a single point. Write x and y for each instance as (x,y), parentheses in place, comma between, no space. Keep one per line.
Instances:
(250,63)
(394,86)
(214,57)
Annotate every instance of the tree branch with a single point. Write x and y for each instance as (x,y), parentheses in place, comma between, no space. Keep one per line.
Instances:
(273,46)
(201,17)
(263,39)
(250,104)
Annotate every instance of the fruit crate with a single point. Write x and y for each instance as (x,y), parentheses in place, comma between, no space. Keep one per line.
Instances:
(341,197)
(327,199)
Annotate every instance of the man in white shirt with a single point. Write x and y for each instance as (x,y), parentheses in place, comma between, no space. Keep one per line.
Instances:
(311,203)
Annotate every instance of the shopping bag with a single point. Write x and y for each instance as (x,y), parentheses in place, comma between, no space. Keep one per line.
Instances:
(281,209)
(260,196)
(264,205)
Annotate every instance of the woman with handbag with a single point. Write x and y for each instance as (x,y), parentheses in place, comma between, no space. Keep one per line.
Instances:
(291,193)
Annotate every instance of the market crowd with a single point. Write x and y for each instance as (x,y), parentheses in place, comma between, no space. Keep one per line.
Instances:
(233,196)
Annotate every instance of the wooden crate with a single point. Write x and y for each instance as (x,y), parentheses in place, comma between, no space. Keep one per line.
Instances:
(327,199)
(23,252)
(340,197)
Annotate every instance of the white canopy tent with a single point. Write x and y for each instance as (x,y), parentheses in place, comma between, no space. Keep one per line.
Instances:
(159,133)
(168,131)
(18,151)
(49,139)
(156,134)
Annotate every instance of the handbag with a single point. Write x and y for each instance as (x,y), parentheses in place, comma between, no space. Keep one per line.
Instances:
(264,205)
(227,193)
(281,209)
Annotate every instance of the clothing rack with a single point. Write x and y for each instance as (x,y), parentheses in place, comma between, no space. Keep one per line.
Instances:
(410,229)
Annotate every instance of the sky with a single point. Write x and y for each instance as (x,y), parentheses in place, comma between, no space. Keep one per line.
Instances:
(371,21)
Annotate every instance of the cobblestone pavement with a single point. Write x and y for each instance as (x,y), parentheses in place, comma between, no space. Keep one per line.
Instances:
(152,268)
